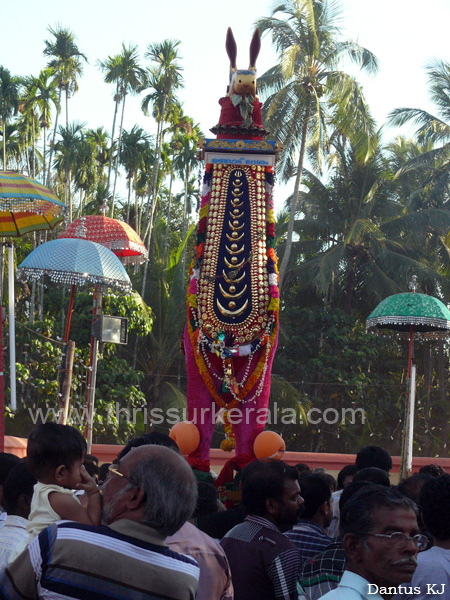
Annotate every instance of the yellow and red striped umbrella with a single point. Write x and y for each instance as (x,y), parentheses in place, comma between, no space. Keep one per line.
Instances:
(26,205)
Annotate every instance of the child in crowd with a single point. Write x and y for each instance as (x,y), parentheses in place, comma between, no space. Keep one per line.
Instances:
(55,456)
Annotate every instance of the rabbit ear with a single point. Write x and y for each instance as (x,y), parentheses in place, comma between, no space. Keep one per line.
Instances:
(231,49)
(255,47)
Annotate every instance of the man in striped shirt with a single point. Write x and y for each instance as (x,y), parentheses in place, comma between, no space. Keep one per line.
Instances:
(264,563)
(309,534)
(148,496)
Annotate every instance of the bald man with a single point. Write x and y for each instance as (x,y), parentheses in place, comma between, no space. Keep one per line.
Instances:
(147,496)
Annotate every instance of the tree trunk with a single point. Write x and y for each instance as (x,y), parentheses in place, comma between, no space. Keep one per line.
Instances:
(186,188)
(298,180)
(58,108)
(66,383)
(33,142)
(128,201)
(159,139)
(118,155)
(350,287)
(166,235)
(33,289)
(67,105)
(4,143)
(45,149)
(112,145)
(27,157)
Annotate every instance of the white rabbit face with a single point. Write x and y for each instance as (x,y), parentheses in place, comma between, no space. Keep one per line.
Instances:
(245,83)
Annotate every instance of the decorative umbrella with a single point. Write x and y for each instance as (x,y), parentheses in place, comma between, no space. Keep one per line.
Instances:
(116,235)
(77,262)
(25,205)
(410,313)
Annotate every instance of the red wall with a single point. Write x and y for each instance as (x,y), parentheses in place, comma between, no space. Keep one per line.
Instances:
(331,462)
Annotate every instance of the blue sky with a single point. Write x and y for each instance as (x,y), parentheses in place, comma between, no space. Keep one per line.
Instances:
(404,34)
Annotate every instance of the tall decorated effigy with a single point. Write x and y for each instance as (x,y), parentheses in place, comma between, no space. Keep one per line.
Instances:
(233,299)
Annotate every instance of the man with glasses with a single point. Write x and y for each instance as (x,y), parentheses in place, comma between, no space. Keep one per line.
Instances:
(147,496)
(381,540)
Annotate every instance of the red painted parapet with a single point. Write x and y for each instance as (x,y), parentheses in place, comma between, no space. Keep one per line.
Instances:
(330,462)
(104,452)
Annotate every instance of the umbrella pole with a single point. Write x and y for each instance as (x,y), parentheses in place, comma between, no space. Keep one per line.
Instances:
(12,326)
(93,375)
(65,374)
(69,314)
(409,421)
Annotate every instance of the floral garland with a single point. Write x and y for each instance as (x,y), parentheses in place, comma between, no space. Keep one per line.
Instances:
(217,346)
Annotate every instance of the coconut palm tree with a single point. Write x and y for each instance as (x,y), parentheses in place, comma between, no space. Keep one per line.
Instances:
(66,153)
(123,70)
(66,62)
(307,88)
(46,96)
(134,146)
(130,78)
(28,109)
(85,167)
(164,79)
(353,250)
(99,138)
(423,187)
(9,103)
(185,162)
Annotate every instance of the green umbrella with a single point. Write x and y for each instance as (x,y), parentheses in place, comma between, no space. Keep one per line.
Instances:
(409,313)
(402,311)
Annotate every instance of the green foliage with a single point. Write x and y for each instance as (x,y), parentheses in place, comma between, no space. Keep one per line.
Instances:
(334,364)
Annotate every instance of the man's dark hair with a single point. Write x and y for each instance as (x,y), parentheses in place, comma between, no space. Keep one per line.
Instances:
(103,471)
(374,475)
(433,470)
(350,490)
(303,468)
(373,456)
(315,490)
(154,438)
(263,479)
(19,482)
(7,462)
(330,480)
(51,445)
(435,504)
(412,486)
(358,514)
(91,465)
(206,499)
(347,471)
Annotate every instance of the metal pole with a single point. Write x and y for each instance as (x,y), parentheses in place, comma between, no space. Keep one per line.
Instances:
(12,327)
(410,423)
(91,390)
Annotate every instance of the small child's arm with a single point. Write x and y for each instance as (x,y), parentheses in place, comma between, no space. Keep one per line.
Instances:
(68,508)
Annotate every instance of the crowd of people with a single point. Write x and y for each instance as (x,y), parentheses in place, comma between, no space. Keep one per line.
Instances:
(149,527)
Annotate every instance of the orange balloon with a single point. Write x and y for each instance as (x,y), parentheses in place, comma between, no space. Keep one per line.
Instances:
(269,444)
(186,435)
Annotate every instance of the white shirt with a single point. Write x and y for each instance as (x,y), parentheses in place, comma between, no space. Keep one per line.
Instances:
(12,534)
